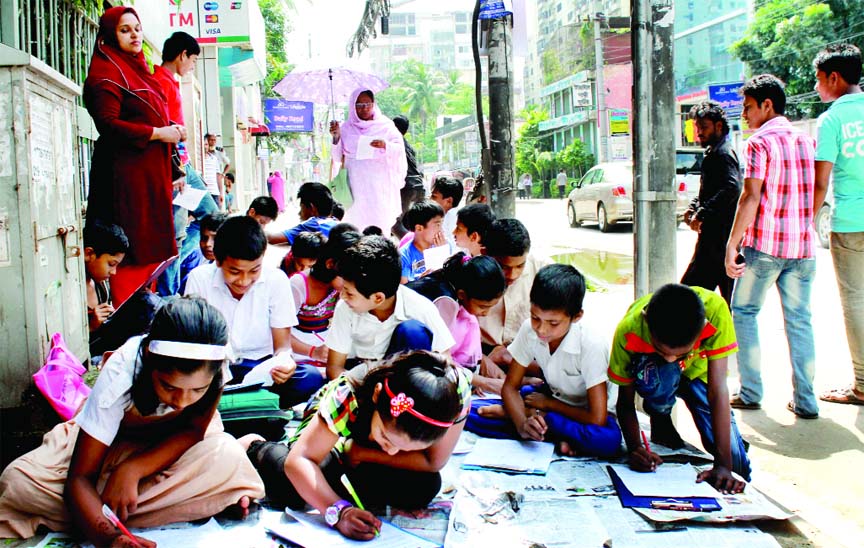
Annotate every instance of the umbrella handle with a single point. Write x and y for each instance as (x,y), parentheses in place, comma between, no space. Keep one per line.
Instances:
(332,101)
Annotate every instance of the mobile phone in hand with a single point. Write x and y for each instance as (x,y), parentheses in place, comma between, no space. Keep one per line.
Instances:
(739,259)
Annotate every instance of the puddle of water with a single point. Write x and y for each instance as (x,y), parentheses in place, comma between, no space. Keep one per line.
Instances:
(604,266)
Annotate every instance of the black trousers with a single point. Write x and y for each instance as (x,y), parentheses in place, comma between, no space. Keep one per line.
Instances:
(409,196)
(707,268)
(377,485)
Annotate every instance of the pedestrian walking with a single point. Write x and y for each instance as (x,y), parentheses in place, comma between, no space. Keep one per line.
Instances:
(773,233)
(712,212)
(561,181)
(527,183)
(840,148)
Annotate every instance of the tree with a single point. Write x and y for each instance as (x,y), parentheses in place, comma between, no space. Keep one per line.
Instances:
(786,35)
(529,144)
(424,89)
(575,158)
(276,24)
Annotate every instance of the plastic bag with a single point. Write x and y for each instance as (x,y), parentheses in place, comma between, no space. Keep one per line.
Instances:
(340,186)
(60,379)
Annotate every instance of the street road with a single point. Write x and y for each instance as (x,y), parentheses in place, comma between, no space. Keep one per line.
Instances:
(813,467)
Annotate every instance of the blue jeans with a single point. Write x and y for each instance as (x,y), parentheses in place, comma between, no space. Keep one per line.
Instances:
(305,381)
(169,282)
(586,439)
(660,384)
(794,278)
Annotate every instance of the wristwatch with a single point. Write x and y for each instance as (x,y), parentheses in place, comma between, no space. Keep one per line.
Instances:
(334,512)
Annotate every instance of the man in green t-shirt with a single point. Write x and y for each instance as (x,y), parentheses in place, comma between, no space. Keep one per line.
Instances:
(672,344)
(840,148)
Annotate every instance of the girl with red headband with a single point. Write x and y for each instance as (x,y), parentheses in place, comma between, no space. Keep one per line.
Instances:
(131,174)
(389,428)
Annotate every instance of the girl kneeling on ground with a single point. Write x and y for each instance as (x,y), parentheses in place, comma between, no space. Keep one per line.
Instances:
(389,428)
(148,441)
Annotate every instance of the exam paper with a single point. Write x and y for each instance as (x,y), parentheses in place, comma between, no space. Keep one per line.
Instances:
(668,481)
(260,374)
(189,198)
(365,150)
(310,531)
(529,457)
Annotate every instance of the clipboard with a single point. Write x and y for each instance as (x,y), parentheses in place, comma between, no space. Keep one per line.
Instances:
(163,266)
(686,504)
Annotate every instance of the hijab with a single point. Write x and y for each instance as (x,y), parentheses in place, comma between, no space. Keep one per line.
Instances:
(276,178)
(111,65)
(378,126)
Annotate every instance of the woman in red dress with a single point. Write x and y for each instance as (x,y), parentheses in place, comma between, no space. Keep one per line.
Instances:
(131,174)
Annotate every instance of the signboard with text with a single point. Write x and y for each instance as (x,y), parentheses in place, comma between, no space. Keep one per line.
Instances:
(728,97)
(210,22)
(619,122)
(284,116)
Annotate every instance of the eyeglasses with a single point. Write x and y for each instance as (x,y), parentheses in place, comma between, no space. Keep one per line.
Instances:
(363,105)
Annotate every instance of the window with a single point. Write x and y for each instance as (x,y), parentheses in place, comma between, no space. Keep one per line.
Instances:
(402,24)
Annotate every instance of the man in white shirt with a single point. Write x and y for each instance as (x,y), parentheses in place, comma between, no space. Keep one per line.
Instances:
(216,164)
(258,306)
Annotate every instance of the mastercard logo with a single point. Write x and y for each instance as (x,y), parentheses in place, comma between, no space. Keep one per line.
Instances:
(211,18)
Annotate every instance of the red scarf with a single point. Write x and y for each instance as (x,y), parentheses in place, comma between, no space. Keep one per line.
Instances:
(112,66)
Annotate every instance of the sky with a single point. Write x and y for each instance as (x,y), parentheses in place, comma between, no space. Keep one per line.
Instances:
(327,25)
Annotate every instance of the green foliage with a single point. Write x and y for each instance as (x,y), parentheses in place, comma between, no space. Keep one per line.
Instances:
(530,146)
(276,24)
(786,35)
(575,158)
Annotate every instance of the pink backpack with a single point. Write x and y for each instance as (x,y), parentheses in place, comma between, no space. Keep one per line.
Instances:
(60,379)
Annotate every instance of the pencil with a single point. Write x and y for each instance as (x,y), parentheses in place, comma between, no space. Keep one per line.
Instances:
(645,441)
(354,496)
(112,517)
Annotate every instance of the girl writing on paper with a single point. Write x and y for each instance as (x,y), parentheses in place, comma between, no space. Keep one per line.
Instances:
(388,427)
(148,442)
(377,179)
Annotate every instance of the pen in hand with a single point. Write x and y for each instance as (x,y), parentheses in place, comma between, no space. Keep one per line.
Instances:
(354,496)
(112,517)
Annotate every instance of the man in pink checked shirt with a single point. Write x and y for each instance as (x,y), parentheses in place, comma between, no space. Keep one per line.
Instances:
(772,232)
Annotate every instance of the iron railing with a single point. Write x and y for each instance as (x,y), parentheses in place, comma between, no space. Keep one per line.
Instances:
(59,33)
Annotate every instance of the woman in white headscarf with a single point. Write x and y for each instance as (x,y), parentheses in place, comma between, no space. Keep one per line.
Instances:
(376,181)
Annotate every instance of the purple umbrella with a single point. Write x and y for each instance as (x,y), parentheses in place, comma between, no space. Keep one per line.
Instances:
(327,86)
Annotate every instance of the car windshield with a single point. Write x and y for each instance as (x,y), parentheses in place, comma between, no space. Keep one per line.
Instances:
(688,162)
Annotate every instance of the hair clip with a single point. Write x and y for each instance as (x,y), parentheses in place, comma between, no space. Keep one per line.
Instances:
(400,403)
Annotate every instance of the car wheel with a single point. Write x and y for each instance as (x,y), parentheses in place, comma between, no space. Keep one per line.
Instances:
(602,218)
(571,216)
(823,225)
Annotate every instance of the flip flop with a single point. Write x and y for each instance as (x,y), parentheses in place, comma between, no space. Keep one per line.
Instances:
(841,395)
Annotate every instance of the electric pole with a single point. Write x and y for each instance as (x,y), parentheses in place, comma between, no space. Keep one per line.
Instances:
(654,195)
(501,196)
(600,85)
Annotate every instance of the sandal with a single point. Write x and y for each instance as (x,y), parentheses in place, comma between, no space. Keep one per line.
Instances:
(737,403)
(841,395)
(791,407)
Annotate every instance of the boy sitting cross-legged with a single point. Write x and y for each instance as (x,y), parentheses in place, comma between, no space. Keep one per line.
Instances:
(257,303)
(376,316)
(673,343)
(574,408)
(105,246)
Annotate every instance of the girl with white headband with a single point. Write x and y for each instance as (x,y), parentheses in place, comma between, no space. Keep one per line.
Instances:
(148,441)
(388,428)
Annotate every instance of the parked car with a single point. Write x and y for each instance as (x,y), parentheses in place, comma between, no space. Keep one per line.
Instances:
(604,195)
(688,170)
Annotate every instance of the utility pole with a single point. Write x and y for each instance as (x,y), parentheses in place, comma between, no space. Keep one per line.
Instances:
(654,193)
(500,187)
(600,85)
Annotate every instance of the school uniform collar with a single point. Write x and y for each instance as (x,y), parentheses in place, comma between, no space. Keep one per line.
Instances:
(635,343)
(572,342)
(220,284)
(400,312)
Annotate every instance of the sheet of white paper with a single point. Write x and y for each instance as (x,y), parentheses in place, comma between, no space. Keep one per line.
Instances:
(190,197)
(260,374)
(209,534)
(58,540)
(669,480)
(365,150)
(530,457)
(310,531)
(434,257)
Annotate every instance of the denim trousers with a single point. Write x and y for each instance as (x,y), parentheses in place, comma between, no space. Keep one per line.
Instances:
(661,383)
(794,279)
(847,251)
(169,282)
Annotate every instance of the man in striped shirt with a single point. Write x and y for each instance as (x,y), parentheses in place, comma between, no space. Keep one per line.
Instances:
(771,243)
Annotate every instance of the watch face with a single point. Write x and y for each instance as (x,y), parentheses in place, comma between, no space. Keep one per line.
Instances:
(331,515)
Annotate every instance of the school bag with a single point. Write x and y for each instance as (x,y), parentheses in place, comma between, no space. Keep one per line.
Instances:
(254,411)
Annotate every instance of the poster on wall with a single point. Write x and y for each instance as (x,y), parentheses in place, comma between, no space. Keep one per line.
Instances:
(619,122)
(728,97)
